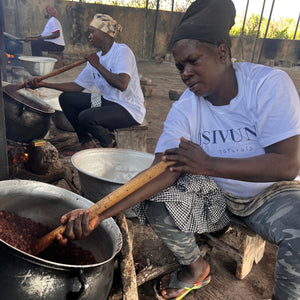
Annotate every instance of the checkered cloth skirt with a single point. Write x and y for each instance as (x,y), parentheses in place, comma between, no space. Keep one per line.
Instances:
(195,202)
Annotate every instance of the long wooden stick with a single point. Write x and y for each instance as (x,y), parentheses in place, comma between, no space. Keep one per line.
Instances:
(108,201)
(63,69)
(12,88)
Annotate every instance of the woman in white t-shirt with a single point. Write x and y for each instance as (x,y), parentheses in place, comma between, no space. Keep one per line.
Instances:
(234,135)
(52,38)
(115,99)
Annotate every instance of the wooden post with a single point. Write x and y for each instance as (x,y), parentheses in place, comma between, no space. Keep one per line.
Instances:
(3,58)
(127,268)
(4,174)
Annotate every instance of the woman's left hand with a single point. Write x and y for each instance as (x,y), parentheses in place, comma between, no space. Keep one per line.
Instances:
(190,157)
(93,59)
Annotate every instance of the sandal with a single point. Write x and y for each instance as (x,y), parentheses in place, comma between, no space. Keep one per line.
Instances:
(177,284)
(70,152)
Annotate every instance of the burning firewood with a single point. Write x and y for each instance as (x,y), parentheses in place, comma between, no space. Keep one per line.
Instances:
(40,162)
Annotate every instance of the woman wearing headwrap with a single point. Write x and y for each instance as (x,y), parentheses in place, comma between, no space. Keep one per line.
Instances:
(52,38)
(115,99)
(234,135)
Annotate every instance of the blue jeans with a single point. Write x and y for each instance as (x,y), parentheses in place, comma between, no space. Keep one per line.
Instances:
(277,221)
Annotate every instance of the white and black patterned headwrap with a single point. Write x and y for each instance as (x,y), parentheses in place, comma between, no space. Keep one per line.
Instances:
(106,24)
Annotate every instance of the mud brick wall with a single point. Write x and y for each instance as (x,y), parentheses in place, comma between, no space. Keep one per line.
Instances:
(25,18)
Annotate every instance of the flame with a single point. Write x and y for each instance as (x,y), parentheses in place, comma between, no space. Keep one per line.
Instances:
(10,57)
(19,157)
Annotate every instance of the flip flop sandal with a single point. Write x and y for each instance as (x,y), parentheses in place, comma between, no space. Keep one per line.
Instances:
(177,284)
(70,152)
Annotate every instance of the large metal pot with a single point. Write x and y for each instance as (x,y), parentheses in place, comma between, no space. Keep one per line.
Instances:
(27,117)
(103,170)
(25,276)
(13,45)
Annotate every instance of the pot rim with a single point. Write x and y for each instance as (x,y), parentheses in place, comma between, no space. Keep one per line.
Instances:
(49,110)
(118,150)
(55,265)
(37,59)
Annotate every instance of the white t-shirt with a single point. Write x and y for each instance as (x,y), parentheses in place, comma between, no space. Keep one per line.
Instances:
(54,25)
(265,111)
(119,59)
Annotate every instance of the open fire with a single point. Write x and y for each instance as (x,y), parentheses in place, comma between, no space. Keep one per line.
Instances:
(10,58)
(17,155)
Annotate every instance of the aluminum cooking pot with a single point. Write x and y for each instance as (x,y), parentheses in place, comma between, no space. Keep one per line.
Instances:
(27,117)
(24,276)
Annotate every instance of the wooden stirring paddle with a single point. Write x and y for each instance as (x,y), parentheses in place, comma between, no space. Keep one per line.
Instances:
(12,88)
(108,201)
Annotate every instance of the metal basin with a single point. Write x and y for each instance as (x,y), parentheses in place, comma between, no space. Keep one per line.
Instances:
(24,276)
(101,171)
(38,65)
(27,117)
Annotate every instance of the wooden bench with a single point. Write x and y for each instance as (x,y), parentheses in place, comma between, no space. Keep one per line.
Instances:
(134,137)
(245,246)
(57,55)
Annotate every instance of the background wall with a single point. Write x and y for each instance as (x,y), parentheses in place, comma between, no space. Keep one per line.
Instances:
(146,37)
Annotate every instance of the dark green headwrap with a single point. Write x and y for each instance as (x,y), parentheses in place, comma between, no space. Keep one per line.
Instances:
(208,21)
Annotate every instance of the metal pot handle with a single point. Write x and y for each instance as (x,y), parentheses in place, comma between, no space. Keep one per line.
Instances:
(21,110)
(78,295)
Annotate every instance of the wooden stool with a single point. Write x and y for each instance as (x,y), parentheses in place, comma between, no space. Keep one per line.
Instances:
(134,137)
(246,248)
(59,56)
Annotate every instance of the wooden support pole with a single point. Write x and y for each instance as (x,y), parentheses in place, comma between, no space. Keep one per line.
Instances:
(126,264)
(4,173)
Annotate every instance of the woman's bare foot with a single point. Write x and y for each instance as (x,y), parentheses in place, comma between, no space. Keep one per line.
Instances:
(113,144)
(193,273)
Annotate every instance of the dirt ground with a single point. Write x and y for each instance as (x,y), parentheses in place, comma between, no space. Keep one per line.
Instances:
(147,247)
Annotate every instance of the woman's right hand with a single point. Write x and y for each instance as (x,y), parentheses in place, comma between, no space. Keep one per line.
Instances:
(190,158)
(78,225)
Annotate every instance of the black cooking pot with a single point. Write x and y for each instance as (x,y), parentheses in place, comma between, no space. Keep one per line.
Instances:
(27,117)
(24,276)
(13,45)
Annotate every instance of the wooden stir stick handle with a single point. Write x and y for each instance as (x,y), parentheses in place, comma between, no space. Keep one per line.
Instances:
(108,201)
(54,73)
(63,69)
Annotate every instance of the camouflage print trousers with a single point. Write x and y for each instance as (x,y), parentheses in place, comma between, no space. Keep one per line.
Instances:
(277,221)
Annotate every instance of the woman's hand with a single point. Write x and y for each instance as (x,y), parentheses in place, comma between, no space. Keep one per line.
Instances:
(93,59)
(190,158)
(78,225)
(33,83)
